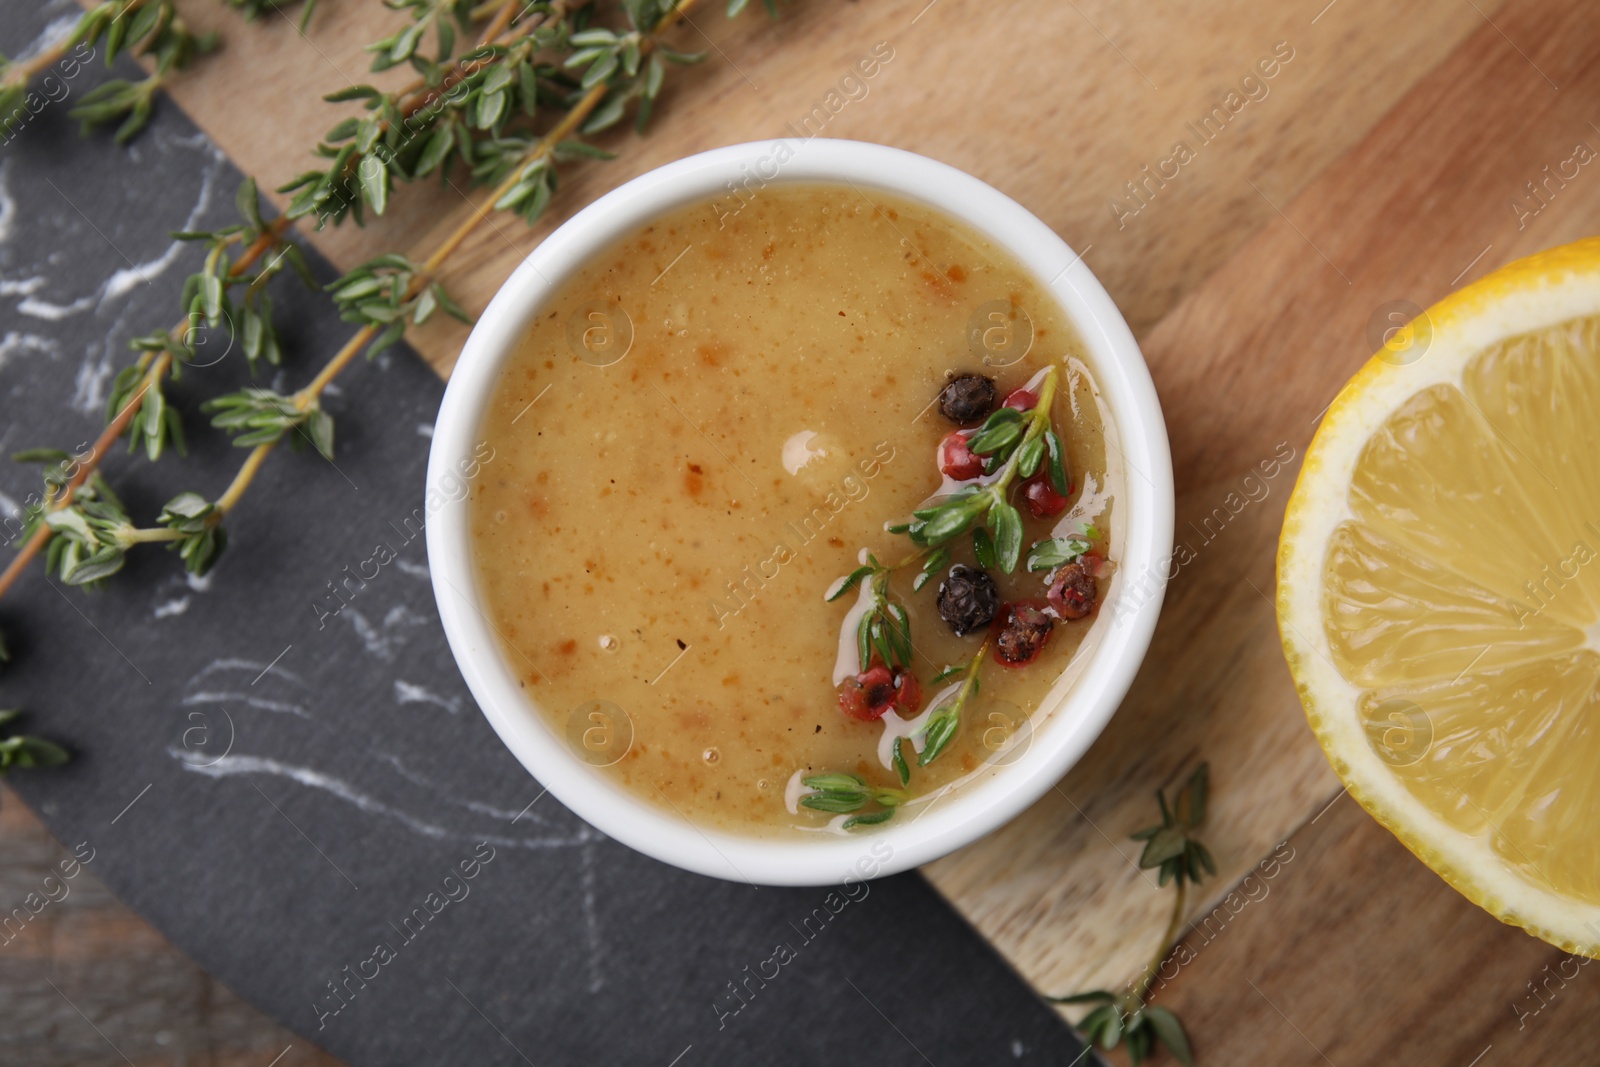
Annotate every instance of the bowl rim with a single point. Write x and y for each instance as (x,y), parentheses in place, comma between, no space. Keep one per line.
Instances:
(983,805)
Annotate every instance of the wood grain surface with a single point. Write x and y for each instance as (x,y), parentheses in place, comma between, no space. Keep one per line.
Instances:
(1351,952)
(87,982)
(1245,364)
(1380,166)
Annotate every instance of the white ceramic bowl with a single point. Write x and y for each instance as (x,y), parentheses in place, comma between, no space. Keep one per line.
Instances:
(1100,677)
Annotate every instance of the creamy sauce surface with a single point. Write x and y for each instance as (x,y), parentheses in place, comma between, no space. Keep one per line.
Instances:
(701,432)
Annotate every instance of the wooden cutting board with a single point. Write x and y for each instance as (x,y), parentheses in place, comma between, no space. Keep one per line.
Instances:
(1380,163)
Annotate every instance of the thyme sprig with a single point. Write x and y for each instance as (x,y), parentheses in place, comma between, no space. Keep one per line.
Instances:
(147,28)
(409,291)
(477,109)
(388,290)
(138,407)
(842,793)
(1013,444)
(93,534)
(85,532)
(941,726)
(885,627)
(1172,848)
(254,9)
(89,537)
(155,30)
(944,723)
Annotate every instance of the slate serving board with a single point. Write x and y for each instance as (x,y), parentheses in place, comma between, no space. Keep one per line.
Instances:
(312,807)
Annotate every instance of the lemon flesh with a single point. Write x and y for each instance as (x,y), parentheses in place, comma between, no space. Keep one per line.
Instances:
(1439,592)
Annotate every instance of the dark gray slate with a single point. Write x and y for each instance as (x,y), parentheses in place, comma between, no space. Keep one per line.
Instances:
(279,797)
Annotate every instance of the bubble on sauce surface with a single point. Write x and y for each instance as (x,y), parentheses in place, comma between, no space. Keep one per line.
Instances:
(798,451)
(711,755)
(609,643)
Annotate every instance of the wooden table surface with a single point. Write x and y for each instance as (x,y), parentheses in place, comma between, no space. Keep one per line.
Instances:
(1382,162)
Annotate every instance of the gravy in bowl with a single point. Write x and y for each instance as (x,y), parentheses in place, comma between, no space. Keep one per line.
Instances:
(725,413)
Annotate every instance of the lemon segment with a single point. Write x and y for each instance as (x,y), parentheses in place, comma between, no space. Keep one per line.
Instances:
(1439,591)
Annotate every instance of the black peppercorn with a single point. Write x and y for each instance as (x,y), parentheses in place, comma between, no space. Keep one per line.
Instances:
(967,399)
(968,599)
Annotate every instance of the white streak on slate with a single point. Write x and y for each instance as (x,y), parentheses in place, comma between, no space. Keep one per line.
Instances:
(249,700)
(44,309)
(53,31)
(400,615)
(384,643)
(89,388)
(13,343)
(375,642)
(591,922)
(251,667)
(231,765)
(409,693)
(8,206)
(478,806)
(121,282)
(169,608)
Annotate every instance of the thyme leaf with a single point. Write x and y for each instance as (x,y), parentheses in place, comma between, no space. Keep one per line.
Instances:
(1172,847)
(17,750)
(1010,440)
(841,794)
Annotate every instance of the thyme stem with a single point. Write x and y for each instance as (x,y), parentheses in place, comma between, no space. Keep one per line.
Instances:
(507,12)
(1038,423)
(19,73)
(418,96)
(544,146)
(148,535)
(102,445)
(500,27)
(970,682)
(1169,941)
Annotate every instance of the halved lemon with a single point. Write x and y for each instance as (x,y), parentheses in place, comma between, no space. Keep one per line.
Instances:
(1439,591)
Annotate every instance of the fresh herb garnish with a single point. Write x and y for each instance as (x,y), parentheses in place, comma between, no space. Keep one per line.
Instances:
(843,793)
(1059,551)
(943,723)
(930,567)
(1171,847)
(148,28)
(541,75)
(1013,444)
(885,628)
